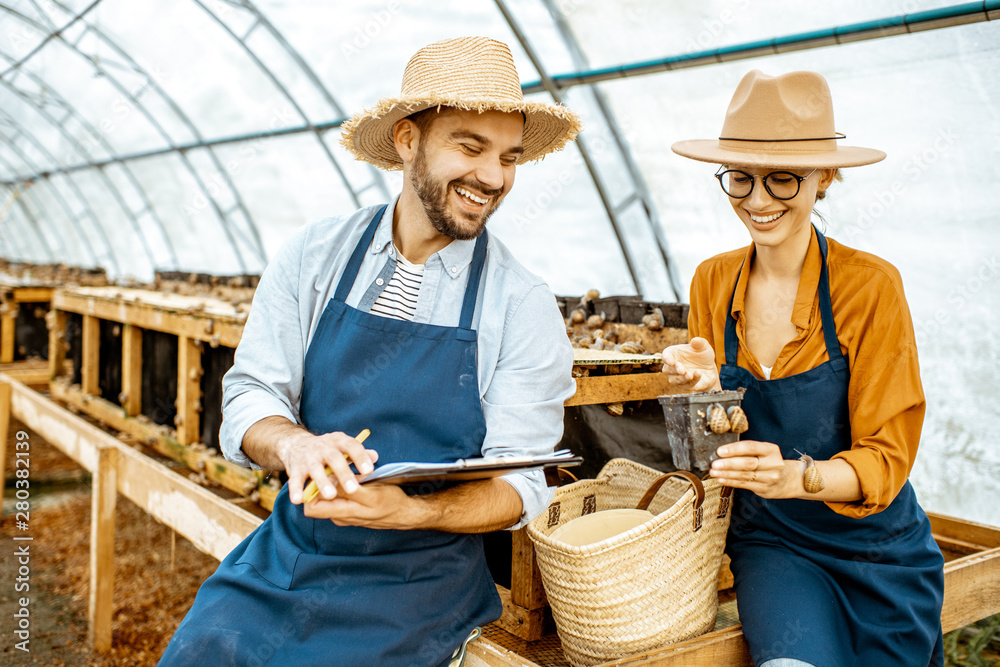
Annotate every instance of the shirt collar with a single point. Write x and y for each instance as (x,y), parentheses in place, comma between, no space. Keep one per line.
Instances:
(454,257)
(805,297)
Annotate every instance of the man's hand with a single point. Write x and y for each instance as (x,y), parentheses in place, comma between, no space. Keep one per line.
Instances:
(691,367)
(275,442)
(473,507)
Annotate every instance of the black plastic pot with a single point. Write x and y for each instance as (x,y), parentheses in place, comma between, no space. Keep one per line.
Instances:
(692,443)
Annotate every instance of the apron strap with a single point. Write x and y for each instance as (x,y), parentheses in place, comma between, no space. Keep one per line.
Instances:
(825,310)
(354,264)
(472,287)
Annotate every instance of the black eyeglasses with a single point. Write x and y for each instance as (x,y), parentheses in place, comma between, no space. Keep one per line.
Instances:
(782,185)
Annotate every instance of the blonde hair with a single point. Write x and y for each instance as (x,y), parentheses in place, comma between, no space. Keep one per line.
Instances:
(837,176)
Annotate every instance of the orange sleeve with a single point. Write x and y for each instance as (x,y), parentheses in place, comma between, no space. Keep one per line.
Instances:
(885,399)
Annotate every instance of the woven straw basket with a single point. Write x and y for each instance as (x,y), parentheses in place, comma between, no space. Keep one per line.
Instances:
(650,586)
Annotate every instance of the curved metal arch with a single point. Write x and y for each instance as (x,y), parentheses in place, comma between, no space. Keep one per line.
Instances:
(11,122)
(33,222)
(71,112)
(288,96)
(378,177)
(76,190)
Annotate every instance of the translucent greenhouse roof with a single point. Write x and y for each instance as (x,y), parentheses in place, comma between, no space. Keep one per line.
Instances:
(194,135)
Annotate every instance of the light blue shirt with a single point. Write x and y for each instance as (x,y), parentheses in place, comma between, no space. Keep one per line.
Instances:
(524,356)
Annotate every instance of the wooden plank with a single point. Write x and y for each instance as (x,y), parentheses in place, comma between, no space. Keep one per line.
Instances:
(213,525)
(722,647)
(32,294)
(966,531)
(526,589)
(91,355)
(5,392)
(215,468)
(528,624)
(102,548)
(131,397)
(8,319)
(56,320)
(209,327)
(486,653)
(950,545)
(971,589)
(620,388)
(31,373)
(189,372)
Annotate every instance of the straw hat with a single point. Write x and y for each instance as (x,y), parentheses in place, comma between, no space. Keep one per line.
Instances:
(471,73)
(779,121)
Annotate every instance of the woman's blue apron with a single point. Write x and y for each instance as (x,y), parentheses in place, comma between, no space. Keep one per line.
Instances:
(812,584)
(307,592)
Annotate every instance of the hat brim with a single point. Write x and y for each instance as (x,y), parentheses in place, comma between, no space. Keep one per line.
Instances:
(369,134)
(709,150)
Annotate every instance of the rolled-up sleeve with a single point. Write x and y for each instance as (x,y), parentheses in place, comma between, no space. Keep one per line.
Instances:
(523,404)
(266,377)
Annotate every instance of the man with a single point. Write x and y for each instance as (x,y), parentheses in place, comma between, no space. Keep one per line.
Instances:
(353,327)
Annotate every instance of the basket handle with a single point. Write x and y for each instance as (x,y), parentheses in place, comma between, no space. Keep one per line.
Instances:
(699,488)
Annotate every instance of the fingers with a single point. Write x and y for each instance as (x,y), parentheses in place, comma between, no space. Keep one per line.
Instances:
(326,460)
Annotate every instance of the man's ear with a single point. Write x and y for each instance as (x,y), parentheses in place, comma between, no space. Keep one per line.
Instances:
(406,136)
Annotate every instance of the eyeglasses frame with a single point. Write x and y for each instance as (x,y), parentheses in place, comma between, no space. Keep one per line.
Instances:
(753,181)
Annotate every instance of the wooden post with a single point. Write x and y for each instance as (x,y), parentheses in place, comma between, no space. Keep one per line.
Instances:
(5,393)
(91,355)
(57,342)
(526,588)
(8,318)
(131,398)
(189,374)
(102,548)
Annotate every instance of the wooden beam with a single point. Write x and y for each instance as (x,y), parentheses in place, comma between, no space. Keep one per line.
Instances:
(721,647)
(218,324)
(528,624)
(131,397)
(965,531)
(32,294)
(486,653)
(5,392)
(8,320)
(189,372)
(213,525)
(102,548)
(56,320)
(620,388)
(971,589)
(89,373)
(526,589)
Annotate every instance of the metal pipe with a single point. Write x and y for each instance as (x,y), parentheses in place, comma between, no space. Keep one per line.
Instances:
(946,17)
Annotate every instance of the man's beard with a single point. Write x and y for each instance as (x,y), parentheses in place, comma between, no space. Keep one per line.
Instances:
(434,196)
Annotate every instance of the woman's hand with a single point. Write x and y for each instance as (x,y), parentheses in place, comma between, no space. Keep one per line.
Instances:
(758,467)
(691,367)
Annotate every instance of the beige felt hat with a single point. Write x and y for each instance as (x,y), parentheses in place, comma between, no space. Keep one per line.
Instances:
(471,73)
(779,121)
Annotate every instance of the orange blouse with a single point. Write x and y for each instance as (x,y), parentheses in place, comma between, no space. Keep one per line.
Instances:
(885,397)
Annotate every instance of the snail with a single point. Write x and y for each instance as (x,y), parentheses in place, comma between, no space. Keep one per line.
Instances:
(631,347)
(596,321)
(812,481)
(616,409)
(577,316)
(580,372)
(600,343)
(737,419)
(582,341)
(654,321)
(718,422)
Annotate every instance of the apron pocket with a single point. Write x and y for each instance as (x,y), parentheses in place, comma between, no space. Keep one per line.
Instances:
(273,560)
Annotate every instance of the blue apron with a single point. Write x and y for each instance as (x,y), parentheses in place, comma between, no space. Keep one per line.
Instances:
(810,583)
(306,592)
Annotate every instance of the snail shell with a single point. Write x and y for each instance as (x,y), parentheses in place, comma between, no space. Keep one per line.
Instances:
(654,321)
(632,347)
(577,316)
(812,480)
(616,409)
(737,419)
(596,321)
(718,422)
(592,294)
(580,372)
(582,341)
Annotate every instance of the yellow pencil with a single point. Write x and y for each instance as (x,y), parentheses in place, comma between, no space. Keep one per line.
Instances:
(312,490)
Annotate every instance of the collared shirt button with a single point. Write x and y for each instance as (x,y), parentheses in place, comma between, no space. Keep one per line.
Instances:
(378,246)
(379,282)
(454,269)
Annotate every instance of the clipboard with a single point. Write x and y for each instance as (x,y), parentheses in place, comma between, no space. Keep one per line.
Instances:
(465,470)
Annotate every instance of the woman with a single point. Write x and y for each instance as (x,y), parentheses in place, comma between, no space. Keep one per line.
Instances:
(847,572)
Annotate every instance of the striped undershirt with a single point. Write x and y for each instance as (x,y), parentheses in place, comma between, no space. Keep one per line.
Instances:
(399,298)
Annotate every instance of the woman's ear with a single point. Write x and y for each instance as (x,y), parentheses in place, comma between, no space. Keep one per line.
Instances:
(826,178)
(406,136)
